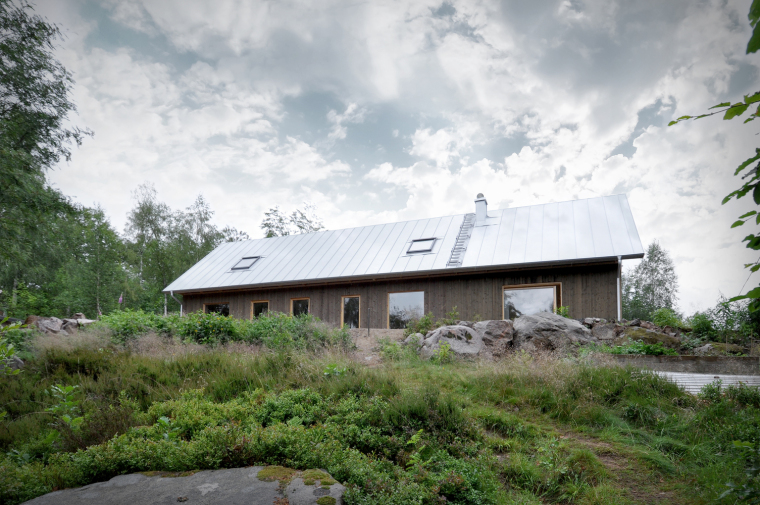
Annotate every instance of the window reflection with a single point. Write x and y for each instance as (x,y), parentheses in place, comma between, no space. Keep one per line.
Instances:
(218,308)
(404,308)
(527,301)
(260,308)
(351,311)
(300,306)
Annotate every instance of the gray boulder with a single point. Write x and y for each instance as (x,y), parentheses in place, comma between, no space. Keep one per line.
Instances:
(70,326)
(606,331)
(547,331)
(415,339)
(493,331)
(49,325)
(463,341)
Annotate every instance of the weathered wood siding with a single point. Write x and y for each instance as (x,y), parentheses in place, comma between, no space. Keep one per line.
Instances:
(589,291)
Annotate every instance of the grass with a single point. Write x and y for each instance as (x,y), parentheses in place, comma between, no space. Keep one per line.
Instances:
(524,430)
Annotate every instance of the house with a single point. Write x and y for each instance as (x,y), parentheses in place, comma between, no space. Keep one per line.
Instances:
(491,264)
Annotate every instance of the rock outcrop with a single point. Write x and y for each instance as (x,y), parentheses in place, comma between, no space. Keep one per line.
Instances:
(55,326)
(463,341)
(640,333)
(549,332)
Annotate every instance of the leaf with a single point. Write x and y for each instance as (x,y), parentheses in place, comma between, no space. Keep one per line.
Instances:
(736,224)
(724,104)
(750,213)
(755,268)
(748,99)
(756,194)
(672,123)
(735,110)
(749,119)
(686,117)
(754,293)
(747,162)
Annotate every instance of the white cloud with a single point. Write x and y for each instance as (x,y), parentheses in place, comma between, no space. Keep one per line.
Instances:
(569,80)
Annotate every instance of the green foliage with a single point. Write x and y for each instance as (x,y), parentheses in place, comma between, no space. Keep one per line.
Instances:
(209,328)
(563,311)
(65,408)
(422,325)
(128,324)
(728,321)
(666,317)
(443,354)
(639,347)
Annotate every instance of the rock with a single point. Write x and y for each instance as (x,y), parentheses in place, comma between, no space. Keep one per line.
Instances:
(463,341)
(634,334)
(14,363)
(635,322)
(306,491)
(501,348)
(49,325)
(547,331)
(79,315)
(647,325)
(469,324)
(31,320)
(588,322)
(604,331)
(492,331)
(70,326)
(719,349)
(416,339)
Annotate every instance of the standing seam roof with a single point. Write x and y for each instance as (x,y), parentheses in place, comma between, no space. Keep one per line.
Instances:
(575,230)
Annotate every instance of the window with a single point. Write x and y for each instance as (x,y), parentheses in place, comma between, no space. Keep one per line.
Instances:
(259,307)
(351,308)
(524,301)
(404,308)
(246,263)
(217,308)
(299,306)
(421,245)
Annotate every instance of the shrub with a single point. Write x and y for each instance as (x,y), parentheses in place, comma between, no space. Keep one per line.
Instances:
(212,328)
(422,325)
(128,324)
(666,317)
(563,311)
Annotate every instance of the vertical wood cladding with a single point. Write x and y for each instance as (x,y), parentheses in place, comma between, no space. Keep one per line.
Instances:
(589,291)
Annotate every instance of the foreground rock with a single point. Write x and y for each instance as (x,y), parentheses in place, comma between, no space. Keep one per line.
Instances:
(237,486)
(463,341)
(549,332)
(719,349)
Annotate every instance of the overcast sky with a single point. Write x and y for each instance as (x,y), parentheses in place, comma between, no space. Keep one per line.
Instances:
(384,111)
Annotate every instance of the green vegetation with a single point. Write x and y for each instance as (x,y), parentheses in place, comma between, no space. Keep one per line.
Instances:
(639,347)
(563,311)
(524,430)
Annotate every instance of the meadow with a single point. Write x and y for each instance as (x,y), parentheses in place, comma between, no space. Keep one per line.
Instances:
(522,430)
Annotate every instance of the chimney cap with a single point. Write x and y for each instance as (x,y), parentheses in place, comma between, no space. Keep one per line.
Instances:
(480,195)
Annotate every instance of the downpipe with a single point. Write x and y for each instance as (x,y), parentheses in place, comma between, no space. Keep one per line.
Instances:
(171,293)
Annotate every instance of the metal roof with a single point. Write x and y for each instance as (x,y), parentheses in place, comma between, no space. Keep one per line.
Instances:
(552,233)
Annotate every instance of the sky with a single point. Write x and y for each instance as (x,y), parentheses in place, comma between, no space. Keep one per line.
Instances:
(383,111)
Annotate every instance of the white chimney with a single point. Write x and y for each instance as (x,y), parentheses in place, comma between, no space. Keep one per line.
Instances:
(481,209)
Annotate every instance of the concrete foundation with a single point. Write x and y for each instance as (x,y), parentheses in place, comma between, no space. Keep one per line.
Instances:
(732,365)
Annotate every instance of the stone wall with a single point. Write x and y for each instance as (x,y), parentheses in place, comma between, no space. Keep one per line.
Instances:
(730,365)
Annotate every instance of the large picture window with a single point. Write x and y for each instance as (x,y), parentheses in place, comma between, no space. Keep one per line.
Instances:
(351,308)
(217,308)
(299,306)
(524,301)
(259,307)
(404,308)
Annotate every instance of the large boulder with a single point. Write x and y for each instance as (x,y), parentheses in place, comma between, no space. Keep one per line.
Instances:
(639,333)
(463,341)
(49,325)
(606,331)
(70,326)
(415,339)
(719,349)
(494,331)
(547,331)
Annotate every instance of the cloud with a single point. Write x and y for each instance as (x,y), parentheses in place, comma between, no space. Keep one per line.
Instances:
(415,107)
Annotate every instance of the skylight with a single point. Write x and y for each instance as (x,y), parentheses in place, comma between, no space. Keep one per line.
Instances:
(421,245)
(246,263)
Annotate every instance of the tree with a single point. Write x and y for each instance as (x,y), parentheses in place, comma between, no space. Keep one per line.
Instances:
(751,176)
(34,107)
(276,224)
(652,285)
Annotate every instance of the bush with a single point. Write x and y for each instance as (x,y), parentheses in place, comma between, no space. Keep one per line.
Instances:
(128,324)
(211,328)
(422,325)
(666,317)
